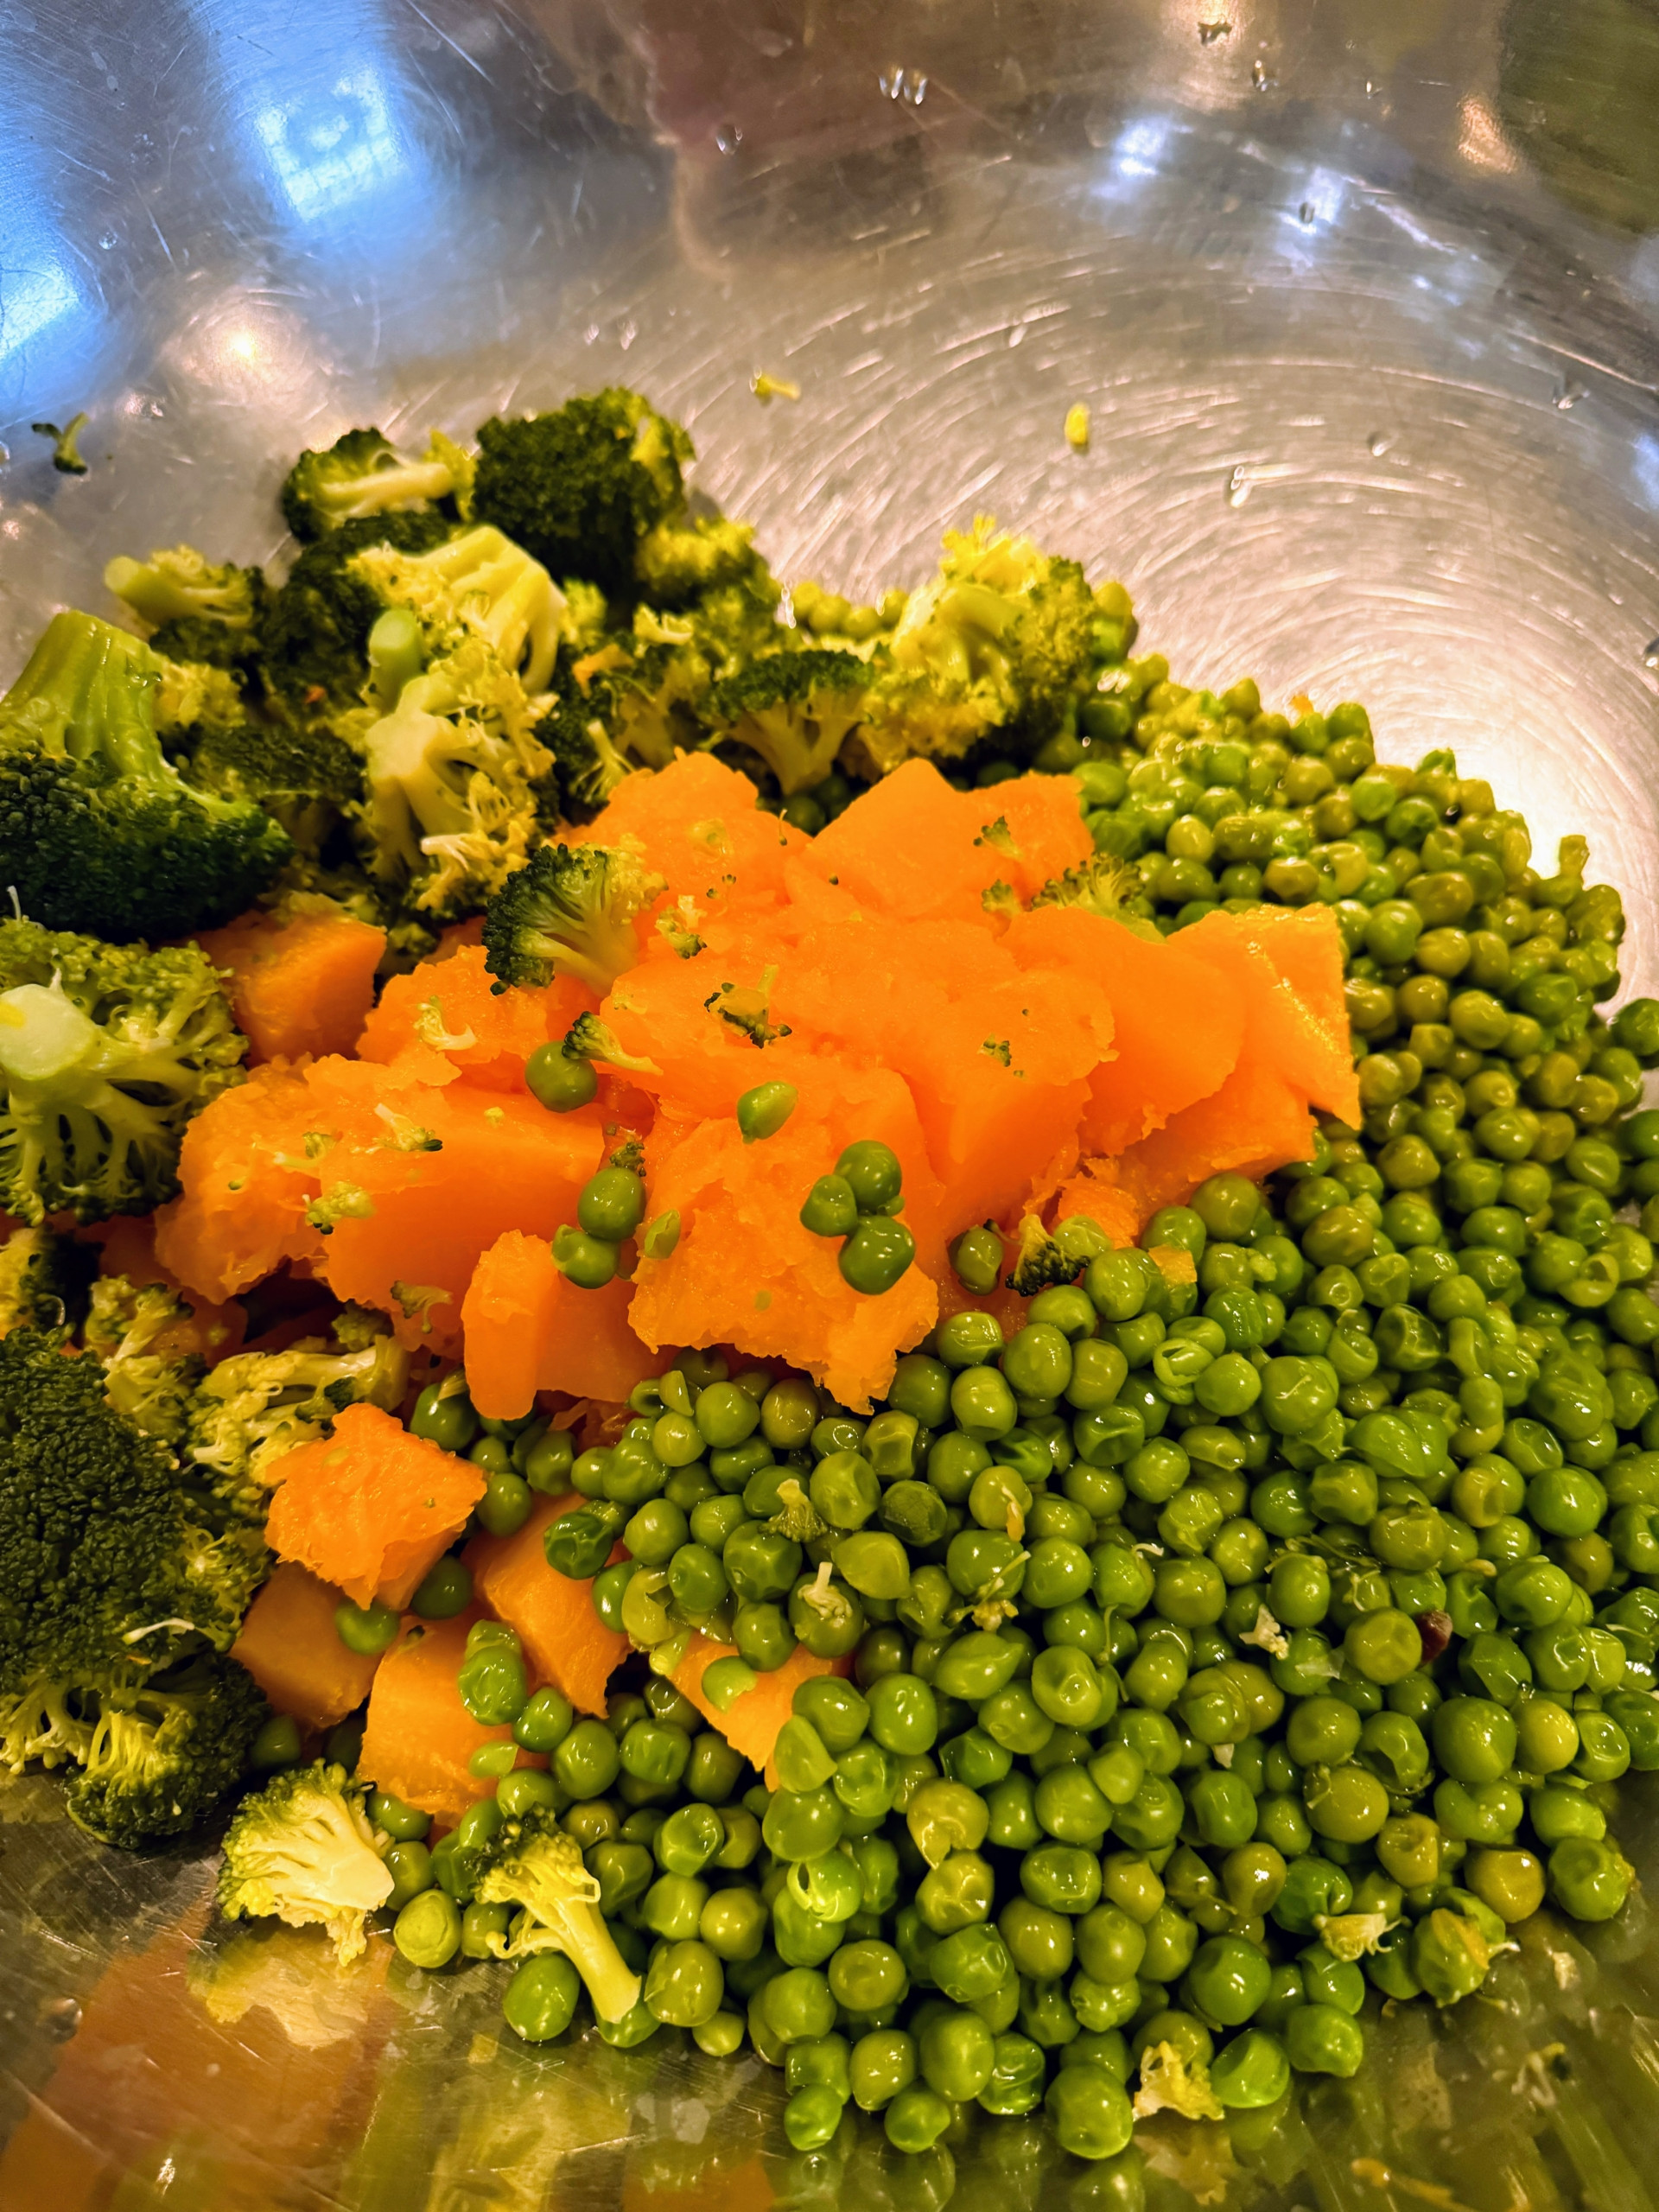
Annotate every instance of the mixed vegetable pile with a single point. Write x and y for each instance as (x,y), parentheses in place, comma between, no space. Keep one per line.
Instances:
(1156,1535)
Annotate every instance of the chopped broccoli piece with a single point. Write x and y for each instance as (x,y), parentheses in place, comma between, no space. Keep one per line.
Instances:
(1042,1261)
(570,912)
(144,1378)
(96,830)
(313,640)
(164,1749)
(1101,885)
(301,1850)
(363,475)
(586,764)
(454,774)
(531,1863)
(677,561)
(106,1053)
(111,1559)
(589,1038)
(302,774)
(67,457)
(43,1280)
(795,710)
(1005,639)
(250,1408)
(479,581)
(178,584)
(580,486)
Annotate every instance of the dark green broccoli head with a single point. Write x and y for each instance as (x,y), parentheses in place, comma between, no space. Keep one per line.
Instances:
(569,912)
(164,1749)
(109,1566)
(575,730)
(795,710)
(303,776)
(363,475)
(580,486)
(313,641)
(107,1052)
(678,561)
(98,832)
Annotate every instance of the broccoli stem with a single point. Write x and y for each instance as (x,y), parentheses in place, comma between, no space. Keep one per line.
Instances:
(43,1034)
(395,654)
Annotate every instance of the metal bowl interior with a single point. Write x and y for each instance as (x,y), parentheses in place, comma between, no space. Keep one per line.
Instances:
(1364,303)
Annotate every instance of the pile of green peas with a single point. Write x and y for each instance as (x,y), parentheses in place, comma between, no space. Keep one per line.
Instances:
(1227,1656)
(858,1202)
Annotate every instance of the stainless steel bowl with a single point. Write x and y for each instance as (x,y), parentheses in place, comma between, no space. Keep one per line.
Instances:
(1363,299)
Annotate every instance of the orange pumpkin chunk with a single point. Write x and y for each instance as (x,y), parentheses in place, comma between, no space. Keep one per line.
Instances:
(565,1641)
(300,982)
(371,1507)
(527,1329)
(291,1647)
(419,1736)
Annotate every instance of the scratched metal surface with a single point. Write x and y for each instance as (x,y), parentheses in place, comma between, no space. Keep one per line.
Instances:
(1364,298)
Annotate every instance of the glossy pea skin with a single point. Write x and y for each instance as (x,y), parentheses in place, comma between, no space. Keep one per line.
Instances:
(540,2001)
(1089,2112)
(428,1929)
(882,2064)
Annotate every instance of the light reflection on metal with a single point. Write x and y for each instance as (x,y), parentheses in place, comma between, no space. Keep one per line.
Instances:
(326,152)
(35,294)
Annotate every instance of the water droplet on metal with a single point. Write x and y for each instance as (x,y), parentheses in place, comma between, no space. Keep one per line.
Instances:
(1238,485)
(626,336)
(1260,79)
(1378,443)
(899,83)
(1371,89)
(728,138)
(108,239)
(61,2018)
(1650,655)
(590,336)
(1305,214)
(1017,336)
(1569,396)
(1209,32)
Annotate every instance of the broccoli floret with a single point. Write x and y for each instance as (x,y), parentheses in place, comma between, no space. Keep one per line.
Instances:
(363,475)
(178,585)
(456,776)
(1004,638)
(795,710)
(1042,1261)
(43,1280)
(144,1377)
(589,1038)
(301,1850)
(106,1053)
(302,774)
(481,582)
(580,486)
(313,641)
(570,912)
(164,1749)
(109,1560)
(678,561)
(96,830)
(250,1408)
(531,1863)
(586,764)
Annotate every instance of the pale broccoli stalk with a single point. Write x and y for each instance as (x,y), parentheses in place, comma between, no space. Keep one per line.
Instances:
(178,584)
(1172,2082)
(479,581)
(570,912)
(535,1865)
(301,1850)
(41,1722)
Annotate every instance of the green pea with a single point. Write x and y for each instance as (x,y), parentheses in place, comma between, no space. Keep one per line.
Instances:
(1252,2070)
(1320,2039)
(540,2001)
(444,1415)
(1089,2112)
(1229,1979)
(876,1255)
(1588,1878)
(445,1590)
(365,1629)
(428,1930)
(411,1867)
